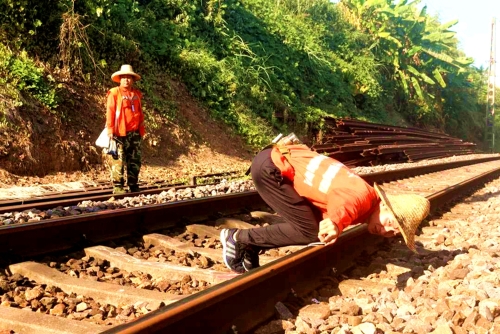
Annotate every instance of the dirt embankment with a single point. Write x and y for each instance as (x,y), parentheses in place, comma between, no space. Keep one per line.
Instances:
(38,146)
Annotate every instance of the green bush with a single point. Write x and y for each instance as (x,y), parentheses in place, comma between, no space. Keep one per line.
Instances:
(249,61)
(21,72)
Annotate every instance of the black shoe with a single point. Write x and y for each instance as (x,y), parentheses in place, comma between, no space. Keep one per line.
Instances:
(232,251)
(134,189)
(251,258)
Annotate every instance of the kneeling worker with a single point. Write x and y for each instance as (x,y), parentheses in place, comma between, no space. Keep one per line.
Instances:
(318,197)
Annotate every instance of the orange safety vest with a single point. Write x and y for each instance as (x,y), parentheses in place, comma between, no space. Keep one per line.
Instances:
(340,194)
(124,117)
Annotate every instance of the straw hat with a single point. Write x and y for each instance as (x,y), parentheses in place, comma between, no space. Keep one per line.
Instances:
(409,211)
(125,70)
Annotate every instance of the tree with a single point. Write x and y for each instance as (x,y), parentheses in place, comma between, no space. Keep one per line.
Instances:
(413,48)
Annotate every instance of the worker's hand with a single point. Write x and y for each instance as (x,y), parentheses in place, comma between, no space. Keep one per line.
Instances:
(328,231)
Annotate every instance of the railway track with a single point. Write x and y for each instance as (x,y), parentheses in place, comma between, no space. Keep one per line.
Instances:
(62,201)
(216,306)
(101,191)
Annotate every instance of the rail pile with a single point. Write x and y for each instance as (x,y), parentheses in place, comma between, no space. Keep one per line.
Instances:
(358,143)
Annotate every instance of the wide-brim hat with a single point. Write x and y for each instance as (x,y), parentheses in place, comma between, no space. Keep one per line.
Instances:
(125,70)
(408,209)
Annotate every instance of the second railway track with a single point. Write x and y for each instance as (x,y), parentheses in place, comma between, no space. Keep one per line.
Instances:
(99,191)
(215,309)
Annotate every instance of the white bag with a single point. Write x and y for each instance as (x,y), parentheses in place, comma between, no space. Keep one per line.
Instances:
(103,140)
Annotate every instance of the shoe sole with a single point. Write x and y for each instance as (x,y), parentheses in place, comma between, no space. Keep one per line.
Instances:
(252,267)
(245,267)
(223,236)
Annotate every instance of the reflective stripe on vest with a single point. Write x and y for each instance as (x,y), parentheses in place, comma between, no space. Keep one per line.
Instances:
(326,177)
(311,169)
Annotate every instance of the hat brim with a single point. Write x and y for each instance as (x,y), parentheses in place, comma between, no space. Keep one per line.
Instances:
(116,76)
(383,197)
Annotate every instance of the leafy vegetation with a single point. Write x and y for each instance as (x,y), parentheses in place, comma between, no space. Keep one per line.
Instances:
(261,66)
(19,72)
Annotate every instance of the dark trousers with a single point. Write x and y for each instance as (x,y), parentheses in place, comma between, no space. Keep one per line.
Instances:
(302,219)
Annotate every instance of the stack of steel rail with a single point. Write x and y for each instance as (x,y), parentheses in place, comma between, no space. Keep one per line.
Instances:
(359,143)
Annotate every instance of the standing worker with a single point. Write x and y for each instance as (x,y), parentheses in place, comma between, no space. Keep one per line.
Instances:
(125,124)
(318,197)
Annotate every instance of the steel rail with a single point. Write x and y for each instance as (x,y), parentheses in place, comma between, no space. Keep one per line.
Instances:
(71,194)
(30,239)
(388,176)
(51,202)
(244,302)
(103,195)
(74,196)
(18,241)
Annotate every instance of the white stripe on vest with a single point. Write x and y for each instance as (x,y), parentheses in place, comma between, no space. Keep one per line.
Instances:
(311,169)
(328,175)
